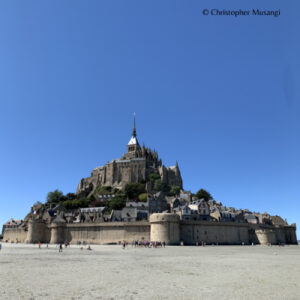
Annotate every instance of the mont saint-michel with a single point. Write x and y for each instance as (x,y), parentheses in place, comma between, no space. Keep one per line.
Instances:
(138,198)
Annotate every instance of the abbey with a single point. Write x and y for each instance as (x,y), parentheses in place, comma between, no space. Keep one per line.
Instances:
(135,165)
(165,213)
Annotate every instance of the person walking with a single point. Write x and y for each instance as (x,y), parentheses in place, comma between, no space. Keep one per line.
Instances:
(60,248)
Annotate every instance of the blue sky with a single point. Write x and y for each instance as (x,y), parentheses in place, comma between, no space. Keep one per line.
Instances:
(219,94)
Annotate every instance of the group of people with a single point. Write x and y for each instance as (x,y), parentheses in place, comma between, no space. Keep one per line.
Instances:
(145,244)
(60,246)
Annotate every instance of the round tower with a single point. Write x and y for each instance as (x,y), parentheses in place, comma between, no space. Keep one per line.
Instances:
(36,231)
(165,227)
(58,231)
(266,236)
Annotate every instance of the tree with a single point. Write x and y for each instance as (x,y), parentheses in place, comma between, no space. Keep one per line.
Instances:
(203,194)
(103,190)
(154,177)
(117,203)
(55,196)
(174,190)
(77,203)
(143,197)
(71,196)
(158,185)
(133,190)
(68,204)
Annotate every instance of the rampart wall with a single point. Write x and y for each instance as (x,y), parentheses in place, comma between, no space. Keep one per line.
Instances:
(108,233)
(226,233)
(14,234)
(161,227)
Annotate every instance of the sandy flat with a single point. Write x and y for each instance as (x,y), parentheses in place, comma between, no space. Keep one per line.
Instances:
(108,272)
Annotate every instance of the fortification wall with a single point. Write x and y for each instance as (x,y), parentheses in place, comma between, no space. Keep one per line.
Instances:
(38,231)
(266,236)
(290,235)
(107,233)
(165,228)
(15,235)
(280,235)
(162,227)
(223,233)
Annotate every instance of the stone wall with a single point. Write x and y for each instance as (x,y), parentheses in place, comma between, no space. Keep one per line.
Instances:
(290,235)
(165,228)
(38,231)
(223,233)
(162,227)
(14,234)
(107,233)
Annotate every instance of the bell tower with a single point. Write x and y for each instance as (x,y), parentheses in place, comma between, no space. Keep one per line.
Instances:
(133,145)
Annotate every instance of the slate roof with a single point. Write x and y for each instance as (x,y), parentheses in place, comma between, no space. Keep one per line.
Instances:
(92,209)
(116,215)
(133,204)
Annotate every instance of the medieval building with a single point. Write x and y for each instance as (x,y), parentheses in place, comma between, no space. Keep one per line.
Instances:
(172,219)
(135,165)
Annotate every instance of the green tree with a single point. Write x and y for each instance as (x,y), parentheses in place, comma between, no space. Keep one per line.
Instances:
(133,190)
(154,177)
(174,190)
(158,185)
(143,197)
(68,204)
(77,203)
(103,190)
(117,203)
(55,196)
(203,194)
(71,196)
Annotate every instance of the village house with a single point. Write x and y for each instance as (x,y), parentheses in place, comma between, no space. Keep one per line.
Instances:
(157,203)
(130,214)
(201,207)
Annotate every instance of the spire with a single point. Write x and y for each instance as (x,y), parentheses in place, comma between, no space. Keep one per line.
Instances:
(134,129)
(133,140)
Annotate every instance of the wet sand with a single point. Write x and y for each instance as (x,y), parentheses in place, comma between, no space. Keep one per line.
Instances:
(108,272)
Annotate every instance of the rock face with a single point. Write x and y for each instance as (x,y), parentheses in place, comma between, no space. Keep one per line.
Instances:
(134,166)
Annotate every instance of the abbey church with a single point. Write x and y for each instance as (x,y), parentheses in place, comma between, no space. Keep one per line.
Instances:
(135,165)
(174,219)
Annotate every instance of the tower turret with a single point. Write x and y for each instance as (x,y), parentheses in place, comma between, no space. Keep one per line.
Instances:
(133,145)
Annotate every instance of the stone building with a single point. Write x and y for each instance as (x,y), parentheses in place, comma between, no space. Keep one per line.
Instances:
(157,203)
(135,165)
(202,208)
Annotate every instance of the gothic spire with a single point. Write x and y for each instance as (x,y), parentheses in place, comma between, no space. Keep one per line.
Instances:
(134,129)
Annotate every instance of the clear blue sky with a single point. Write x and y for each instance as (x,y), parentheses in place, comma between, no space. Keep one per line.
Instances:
(218,94)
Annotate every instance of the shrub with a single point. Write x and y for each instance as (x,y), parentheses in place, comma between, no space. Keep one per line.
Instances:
(154,177)
(143,197)
(55,196)
(71,196)
(117,203)
(174,190)
(133,190)
(203,194)
(158,185)
(103,190)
